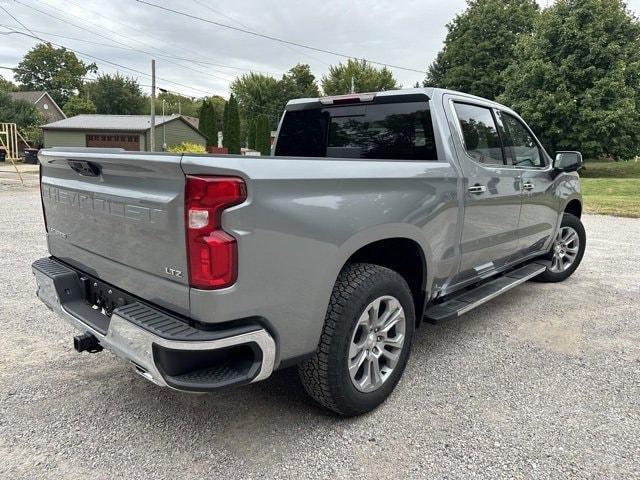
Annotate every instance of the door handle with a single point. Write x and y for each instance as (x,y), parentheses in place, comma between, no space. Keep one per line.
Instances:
(528,186)
(477,188)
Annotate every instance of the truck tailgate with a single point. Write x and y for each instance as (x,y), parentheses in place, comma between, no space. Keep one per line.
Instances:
(120,218)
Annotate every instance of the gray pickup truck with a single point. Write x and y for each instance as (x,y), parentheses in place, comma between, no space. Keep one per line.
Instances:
(375,212)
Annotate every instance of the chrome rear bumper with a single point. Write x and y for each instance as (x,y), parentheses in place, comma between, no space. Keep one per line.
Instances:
(138,341)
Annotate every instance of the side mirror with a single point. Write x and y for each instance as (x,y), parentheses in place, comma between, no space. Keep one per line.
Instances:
(568,161)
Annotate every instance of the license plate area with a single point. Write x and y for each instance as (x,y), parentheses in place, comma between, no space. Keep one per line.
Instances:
(102,297)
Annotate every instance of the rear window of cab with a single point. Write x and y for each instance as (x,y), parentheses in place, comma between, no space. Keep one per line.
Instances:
(400,131)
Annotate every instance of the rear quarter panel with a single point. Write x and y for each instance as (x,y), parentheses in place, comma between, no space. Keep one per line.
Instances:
(303,219)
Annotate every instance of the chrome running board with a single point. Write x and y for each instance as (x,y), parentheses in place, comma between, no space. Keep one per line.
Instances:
(461,302)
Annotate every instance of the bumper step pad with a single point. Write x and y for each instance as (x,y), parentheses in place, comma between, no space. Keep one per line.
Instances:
(170,327)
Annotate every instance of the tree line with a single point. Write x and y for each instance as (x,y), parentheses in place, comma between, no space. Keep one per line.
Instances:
(246,119)
(572,70)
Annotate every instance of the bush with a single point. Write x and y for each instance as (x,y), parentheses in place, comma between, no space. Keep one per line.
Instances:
(33,134)
(186,147)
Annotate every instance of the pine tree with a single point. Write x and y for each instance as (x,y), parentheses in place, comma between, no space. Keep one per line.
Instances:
(251,134)
(263,135)
(233,126)
(225,125)
(208,123)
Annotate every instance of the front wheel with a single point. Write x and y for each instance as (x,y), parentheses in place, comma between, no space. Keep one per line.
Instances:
(567,250)
(365,341)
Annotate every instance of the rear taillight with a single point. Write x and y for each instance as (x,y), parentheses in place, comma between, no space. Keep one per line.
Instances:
(212,253)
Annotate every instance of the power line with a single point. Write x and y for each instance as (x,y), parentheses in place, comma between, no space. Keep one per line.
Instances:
(208,7)
(164,53)
(84,54)
(19,22)
(114,46)
(116,41)
(275,39)
(272,112)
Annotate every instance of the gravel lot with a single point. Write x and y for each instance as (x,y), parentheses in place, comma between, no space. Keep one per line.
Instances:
(543,382)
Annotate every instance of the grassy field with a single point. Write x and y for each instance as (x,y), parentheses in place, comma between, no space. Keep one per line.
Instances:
(611,188)
(610,170)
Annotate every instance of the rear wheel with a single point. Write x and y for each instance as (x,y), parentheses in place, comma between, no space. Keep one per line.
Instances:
(567,250)
(365,342)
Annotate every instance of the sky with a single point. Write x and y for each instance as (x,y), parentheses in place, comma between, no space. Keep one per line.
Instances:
(196,58)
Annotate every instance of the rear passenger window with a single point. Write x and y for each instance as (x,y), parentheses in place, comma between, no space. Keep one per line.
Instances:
(519,145)
(398,130)
(480,134)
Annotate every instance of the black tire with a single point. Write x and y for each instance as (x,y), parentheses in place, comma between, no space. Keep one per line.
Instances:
(549,276)
(325,375)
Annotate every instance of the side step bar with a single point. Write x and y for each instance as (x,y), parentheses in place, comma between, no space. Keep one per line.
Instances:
(466,300)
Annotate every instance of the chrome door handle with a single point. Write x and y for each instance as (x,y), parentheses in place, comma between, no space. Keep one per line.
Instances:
(477,188)
(528,186)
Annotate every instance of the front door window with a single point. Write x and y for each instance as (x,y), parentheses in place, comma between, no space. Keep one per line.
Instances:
(519,145)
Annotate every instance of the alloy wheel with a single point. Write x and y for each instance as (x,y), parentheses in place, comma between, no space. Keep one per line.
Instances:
(376,343)
(565,249)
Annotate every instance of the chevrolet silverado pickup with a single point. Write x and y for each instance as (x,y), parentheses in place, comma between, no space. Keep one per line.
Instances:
(375,212)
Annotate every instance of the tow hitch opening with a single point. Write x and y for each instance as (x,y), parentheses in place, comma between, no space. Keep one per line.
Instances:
(86,343)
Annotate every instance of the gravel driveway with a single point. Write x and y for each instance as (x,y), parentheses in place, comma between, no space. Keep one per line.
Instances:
(542,382)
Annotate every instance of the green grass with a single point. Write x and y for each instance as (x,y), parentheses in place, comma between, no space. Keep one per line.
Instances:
(611,188)
(593,169)
(612,196)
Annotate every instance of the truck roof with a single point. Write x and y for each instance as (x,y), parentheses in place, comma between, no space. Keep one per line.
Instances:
(430,92)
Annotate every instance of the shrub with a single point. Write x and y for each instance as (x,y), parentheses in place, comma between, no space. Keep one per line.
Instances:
(186,147)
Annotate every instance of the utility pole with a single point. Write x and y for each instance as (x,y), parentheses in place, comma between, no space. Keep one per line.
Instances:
(353,85)
(152,131)
(164,136)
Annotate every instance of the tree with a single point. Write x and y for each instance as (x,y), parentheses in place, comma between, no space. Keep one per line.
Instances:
(209,123)
(174,104)
(218,103)
(363,76)
(6,85)
(577,78)
(298,82)
(78,105)
(56,70)
(225,125)
(480,44)
(251,133)
(263,135)
(116,95)
(232,130)
(20,112)
(257,94)
(24,115)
